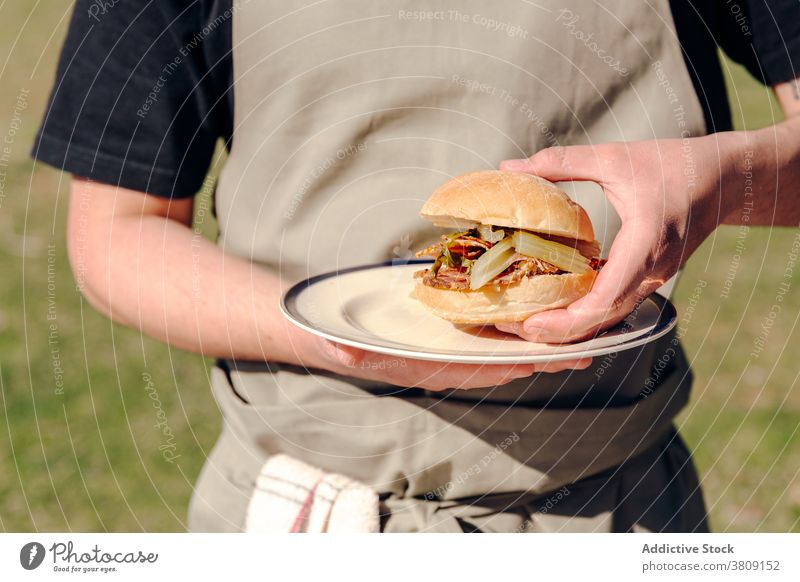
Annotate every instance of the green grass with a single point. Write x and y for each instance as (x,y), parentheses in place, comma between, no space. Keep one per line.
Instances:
(88,458)
(743,422)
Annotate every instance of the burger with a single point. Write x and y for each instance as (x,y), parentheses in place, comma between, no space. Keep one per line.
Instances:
(520,246)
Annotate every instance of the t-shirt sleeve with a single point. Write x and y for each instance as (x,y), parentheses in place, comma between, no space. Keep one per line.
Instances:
(776,38)
(762,35)
(135,101)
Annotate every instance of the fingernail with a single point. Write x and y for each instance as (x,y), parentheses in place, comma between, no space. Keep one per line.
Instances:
(514,164)
(337,354)
(508,327)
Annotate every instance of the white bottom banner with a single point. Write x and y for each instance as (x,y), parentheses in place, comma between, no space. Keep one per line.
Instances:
(615,557)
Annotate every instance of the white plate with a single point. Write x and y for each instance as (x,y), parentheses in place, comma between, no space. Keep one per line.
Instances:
(373,308)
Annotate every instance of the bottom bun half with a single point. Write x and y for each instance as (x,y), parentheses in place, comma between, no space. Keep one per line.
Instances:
(515,302)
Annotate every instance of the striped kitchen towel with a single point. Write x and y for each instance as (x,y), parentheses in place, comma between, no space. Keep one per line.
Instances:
(292,496)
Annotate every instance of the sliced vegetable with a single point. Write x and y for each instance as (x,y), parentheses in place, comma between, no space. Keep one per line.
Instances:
(491,263)
(589,250)
(452,222)
(492,236)
(586,248)
(564,257)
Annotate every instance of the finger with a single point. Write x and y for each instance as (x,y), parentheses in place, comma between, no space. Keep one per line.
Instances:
(515,328)
(553,367)
(347,356)
(518,328)
(561,163)
(487,376)
(514,372)
(427,374)
(468,376)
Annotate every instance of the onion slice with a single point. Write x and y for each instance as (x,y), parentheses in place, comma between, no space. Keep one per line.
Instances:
(491,263)
(564,257)
(489,235)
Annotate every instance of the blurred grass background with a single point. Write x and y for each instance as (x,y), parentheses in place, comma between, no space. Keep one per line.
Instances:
(87,457)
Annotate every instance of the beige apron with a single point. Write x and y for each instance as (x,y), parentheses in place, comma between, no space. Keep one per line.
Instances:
(347,116)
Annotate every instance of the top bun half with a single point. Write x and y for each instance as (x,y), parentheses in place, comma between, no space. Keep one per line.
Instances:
(509,199)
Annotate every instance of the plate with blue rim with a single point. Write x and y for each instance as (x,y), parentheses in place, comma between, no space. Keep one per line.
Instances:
(372,307)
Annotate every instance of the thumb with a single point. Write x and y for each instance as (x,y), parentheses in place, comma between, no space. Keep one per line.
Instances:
(619,287)
(579,163)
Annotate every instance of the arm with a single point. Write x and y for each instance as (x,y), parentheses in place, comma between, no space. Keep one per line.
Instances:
(772,155)
(138,261)
(744,176)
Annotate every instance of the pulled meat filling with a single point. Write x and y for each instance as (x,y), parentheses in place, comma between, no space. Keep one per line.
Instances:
(455,253)
(464,245)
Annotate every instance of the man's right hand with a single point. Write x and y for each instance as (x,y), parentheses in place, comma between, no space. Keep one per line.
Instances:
(413,373)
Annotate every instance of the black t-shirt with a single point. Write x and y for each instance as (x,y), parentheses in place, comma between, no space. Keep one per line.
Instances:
(143,89)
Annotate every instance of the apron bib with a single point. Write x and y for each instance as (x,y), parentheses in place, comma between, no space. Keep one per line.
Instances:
(347,116)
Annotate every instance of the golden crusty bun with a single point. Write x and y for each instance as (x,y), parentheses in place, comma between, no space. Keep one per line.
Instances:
(517,201)
(517,302)
(509,199)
